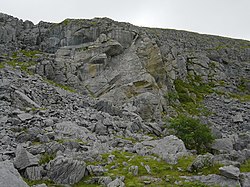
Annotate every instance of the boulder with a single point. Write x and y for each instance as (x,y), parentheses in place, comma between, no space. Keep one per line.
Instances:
(66,170)
(24,159)
(238,118)
(169,148)
(26,101)
(223,145)
(116,183)
(231,172)
(25,116)
(33,173)
(201,161)
(104,180)
(95,170)
(9,176)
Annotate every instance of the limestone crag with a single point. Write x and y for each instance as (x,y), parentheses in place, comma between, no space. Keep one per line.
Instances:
(91,100)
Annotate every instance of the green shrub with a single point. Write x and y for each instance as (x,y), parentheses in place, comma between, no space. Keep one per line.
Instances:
(194,134)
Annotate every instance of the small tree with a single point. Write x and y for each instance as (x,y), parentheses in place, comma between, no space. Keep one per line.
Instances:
(194,134)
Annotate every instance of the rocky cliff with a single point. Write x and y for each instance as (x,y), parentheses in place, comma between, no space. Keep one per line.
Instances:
(77,94)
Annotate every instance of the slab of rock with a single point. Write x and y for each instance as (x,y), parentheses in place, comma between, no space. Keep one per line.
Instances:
(231,172)
(104,180)
(26,99)
(66,170)
(33,173)
(116,183)
(25,116)
(95,170)
(245,179)
(9,176)
(201,161)
(170,148)
(24,159)
(238,118)
(71,129)
(215,180)
(223,145)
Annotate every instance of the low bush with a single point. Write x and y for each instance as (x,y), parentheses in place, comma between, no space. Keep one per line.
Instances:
(194,134)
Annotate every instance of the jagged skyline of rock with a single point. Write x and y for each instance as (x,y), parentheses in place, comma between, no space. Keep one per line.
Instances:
(224,17)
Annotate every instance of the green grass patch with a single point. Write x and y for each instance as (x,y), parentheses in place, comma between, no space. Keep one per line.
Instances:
(24,66)
(240,97)
(159,169)
(2,65)
(45,158)
(190,95)
(49,183)
(245,167)
(64,87)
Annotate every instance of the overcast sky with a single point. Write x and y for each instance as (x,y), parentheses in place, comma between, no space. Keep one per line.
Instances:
(220,17)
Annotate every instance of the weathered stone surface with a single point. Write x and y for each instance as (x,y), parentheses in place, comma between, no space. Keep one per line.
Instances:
(70,129)
(26,99)
(116,183)
(95,170)
(231,172)
(104,181)
(245,179)
(33,173)
(202,161)
(170,148)
(25,116)
(238,118)
(134,170)
(213,179)
(24,159)
(223,145)
(9,176)
(66,170)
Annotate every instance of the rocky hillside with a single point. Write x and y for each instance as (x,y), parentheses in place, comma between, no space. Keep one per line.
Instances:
(102,103)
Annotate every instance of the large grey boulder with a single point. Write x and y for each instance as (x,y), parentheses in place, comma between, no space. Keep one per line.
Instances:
(231,172)
(169,148)
(24,159)
(9,176)
(66,170)
(201,161)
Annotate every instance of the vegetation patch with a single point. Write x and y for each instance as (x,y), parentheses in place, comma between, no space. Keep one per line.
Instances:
(161,173)
(194,134)
(64,87)
(1,65)
(49,183)
(46,157)
(245,167)
(189,96)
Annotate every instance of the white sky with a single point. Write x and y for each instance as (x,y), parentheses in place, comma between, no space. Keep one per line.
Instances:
(220,17)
